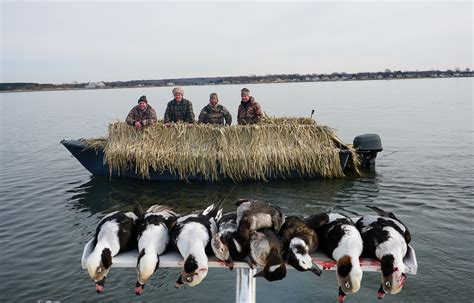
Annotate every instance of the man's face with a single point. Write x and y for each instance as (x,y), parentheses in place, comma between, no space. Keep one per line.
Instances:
(142,105)
(245,98)
(178,97)
(213,100)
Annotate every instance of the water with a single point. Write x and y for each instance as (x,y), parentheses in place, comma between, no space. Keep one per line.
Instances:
(50,204)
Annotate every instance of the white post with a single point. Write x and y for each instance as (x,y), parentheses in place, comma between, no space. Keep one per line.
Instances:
(245,286)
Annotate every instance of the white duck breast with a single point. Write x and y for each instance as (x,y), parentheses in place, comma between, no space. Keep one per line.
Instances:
(115,233)
(349,244)
(341,240)
(153,235)
(386,238)
(191,235)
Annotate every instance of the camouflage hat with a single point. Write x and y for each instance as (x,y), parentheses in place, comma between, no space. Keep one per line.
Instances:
(142,99)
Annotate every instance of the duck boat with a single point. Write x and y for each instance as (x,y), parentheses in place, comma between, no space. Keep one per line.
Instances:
(367,146)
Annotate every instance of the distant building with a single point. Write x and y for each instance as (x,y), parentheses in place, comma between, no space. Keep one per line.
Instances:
(95,85)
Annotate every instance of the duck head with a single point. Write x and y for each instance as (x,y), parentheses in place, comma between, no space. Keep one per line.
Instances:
(275,268)
(349,276)
(272,273)
(299,258)
(220,248)
(192,274)
(147,264)
(393,276)
(98,265)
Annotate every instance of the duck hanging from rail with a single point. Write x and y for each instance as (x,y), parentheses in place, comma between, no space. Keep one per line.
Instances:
(153,238)
(386,238)
(299,242)
(224,244)
(340,239)
(115,233)
(192,234)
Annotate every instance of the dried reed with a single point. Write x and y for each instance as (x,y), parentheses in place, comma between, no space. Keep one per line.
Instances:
(278,147)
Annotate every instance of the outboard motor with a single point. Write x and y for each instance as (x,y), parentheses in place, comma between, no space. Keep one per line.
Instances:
(367,147)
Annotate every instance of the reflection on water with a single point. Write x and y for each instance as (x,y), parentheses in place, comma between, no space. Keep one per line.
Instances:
(100,195)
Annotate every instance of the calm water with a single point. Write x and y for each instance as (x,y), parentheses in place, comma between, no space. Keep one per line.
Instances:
(50,204)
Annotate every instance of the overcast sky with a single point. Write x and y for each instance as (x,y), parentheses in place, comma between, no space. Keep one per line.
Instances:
(65,41)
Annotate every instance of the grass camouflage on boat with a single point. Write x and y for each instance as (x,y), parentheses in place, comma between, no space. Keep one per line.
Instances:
(276,147)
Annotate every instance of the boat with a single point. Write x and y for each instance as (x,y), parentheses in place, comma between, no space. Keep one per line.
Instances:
(367,146)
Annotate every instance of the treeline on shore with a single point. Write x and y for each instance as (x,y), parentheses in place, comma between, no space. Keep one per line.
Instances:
(280,78)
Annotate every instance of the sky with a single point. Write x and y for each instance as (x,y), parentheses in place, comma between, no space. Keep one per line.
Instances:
(85,41)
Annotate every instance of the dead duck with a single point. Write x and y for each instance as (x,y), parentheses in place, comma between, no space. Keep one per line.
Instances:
(299,242)
(386,238)
(192,234)
(115,233)
(266,249)
(224,244)
(253,215)
(153,238)
(340,239)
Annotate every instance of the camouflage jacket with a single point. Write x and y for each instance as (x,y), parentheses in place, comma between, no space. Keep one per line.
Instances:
(179,112)
(249,112)
(146,117)
(215,115)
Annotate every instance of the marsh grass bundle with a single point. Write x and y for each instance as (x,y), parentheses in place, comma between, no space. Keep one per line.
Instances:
(276,148)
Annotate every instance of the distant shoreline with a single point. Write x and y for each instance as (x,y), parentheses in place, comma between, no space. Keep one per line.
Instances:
(236,80)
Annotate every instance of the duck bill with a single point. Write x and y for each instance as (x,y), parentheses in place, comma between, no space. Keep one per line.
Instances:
(380,292)
(341,295)
(139,288)
(259,275)
(100,286)
(230,263)
(179,282)
(316,270)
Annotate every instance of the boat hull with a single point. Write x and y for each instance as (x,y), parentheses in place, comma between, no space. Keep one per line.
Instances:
(93,161)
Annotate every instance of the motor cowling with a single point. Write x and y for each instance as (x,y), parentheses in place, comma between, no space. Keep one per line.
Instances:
(367,146)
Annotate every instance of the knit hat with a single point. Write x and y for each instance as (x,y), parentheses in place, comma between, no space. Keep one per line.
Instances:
(178,90)
(245,92)
(143,99)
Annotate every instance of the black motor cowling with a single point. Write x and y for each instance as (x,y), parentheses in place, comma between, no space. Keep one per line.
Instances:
(367,146)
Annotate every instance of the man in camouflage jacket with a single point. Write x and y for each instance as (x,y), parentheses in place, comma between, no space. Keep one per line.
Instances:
(249,111)
(179,109)
(214,113)
(141,115)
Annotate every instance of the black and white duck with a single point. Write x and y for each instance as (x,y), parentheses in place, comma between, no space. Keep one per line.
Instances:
(340,239)
(115,233)
(299,242)
(153,238)
(386,238)
(192,235)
